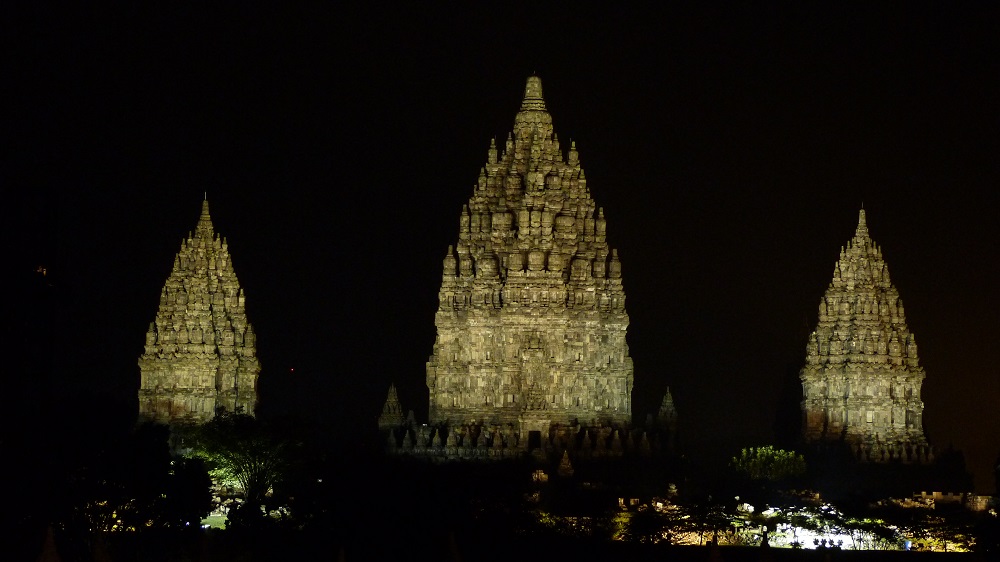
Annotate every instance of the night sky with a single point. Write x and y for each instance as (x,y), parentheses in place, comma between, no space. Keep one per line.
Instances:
(731,148)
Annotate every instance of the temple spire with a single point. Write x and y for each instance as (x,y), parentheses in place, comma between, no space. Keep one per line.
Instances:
(533,121)
(533,258)
(533,99)
(200,354)
(392,411)
(204,228)
(862,231)
(667,416)
(862,344)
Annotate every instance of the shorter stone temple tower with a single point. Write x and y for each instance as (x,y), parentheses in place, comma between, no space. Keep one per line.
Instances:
(392,411)
(666,420)
(200,353)
(862,377)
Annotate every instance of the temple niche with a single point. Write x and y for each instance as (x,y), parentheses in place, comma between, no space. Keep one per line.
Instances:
(200,354)
(531,322)
(862,377)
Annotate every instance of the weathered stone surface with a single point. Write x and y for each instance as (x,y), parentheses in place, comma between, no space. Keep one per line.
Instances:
(200,352)
(861,380)
(531,322)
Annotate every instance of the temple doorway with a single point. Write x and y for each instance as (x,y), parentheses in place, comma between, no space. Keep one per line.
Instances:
(534,440)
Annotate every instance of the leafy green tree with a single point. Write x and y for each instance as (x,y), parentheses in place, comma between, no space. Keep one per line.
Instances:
(769,464)
(768,473)
(240,450)
(872,534)
(767,476)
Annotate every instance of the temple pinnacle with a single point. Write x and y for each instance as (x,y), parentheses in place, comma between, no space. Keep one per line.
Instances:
(533,99)
(204,228)
(862,231)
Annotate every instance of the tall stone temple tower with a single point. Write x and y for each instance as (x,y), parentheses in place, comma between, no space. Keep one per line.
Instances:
(200,352)
(531,322)
(861,380)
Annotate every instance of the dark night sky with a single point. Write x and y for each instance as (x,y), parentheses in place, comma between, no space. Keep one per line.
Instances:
(730,147)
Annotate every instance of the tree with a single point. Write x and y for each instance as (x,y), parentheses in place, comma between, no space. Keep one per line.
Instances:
(768,475)
(769,464)
(709,514)
(768,471)
(242,451)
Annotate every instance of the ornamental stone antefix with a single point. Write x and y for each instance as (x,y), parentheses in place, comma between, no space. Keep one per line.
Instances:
(531,322)
(861,380)
(201,352)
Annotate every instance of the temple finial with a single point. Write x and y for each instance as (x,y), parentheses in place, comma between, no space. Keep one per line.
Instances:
(204,228)
(533,95)
(862,231)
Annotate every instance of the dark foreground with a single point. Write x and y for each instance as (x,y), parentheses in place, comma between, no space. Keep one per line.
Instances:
(482,546)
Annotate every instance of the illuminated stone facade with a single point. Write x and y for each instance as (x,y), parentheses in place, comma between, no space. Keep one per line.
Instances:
(861,380)
(531,322)
(200,352)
